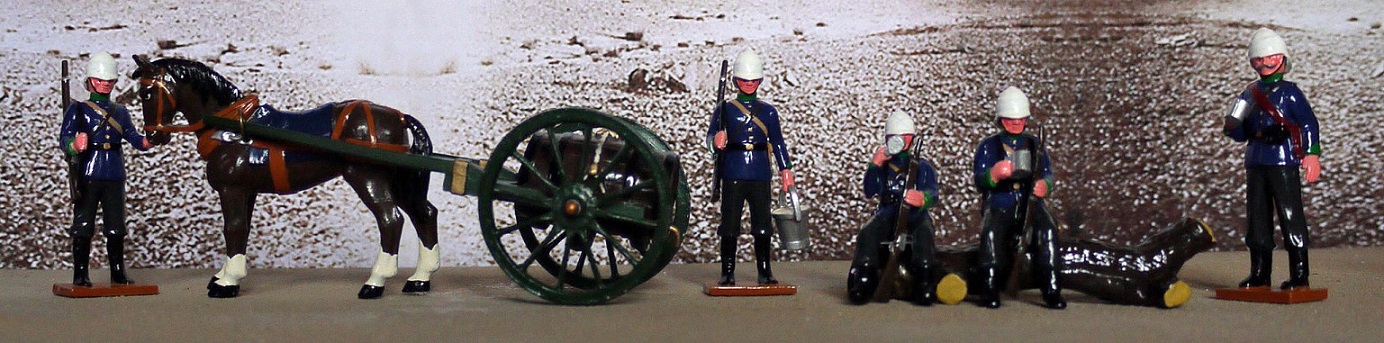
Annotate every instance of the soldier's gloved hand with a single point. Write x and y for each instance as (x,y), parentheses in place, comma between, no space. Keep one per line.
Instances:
(1274,133)
(79,144)
(787,179)
(914,198)
(880,157)
(1001,170)
(720,140)
(1040,188)
(1312,168)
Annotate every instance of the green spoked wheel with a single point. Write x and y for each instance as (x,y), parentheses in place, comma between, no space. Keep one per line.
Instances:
(579,207)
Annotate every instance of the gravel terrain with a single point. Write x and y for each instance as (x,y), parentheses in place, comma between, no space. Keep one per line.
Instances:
(1130,92)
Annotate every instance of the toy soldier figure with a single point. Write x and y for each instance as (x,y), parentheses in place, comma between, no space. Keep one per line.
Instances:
(1013,174)
(91,131)
(746,133)
(1281,132)
(887,179)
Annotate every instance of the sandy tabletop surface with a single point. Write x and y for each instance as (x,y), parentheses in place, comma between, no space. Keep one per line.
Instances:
(479,304)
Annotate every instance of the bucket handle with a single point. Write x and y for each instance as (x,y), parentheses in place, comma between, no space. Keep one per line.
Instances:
(794,201)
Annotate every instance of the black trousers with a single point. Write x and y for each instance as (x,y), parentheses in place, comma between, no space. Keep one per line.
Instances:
(881,228)
(110,197)
(999,240)
(734,195)
(1275,190)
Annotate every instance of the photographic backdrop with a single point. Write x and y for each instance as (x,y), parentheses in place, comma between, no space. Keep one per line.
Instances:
(1131,93)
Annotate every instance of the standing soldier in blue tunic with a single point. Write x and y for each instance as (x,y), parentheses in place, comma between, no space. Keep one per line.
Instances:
(746,132)
(886,179)
(1273,116)
(92,131)
(1009,168)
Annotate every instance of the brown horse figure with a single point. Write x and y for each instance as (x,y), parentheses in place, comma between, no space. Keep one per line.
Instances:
(239,168)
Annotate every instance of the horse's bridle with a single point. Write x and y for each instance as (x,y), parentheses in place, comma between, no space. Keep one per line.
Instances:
(157,81)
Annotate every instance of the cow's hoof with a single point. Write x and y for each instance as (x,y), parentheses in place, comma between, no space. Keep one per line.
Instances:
(417,287)
(1176,294)
(370,292)
(212,284)
(218,291)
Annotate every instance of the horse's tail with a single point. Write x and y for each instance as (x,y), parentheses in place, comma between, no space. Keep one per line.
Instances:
(414,186)
(422,144)
(414,183)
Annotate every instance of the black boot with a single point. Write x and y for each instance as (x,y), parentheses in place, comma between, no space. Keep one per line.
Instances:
(924,293)
(115,252)
(727,272)
(989,283)
(1049,286)
(81,256)
(1053,300)
(1260,267)
(761,257)
(861,283)
(727,262)
(1297,269)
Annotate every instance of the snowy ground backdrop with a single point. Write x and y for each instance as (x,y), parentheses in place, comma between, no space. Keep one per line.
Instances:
(1132,93)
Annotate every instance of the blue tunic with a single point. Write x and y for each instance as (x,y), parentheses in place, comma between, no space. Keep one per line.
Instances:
(1292,104)
(1005,193)
(103,159)
(887,181)
(750,164)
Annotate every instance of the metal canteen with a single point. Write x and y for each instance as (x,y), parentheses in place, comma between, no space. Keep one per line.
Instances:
(893,145)
(1023,164)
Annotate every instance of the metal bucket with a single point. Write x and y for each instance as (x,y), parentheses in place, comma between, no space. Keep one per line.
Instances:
(790,221)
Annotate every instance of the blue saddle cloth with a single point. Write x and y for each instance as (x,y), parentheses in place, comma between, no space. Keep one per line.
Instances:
(317,121)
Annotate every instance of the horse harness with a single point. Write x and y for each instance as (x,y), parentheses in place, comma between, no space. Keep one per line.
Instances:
(241,110)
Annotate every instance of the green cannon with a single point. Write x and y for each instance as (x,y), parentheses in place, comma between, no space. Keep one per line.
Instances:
(576,206)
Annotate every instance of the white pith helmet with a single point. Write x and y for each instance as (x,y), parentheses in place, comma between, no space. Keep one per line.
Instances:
(1265,42)
(748,66)
(899,123)
(1013,104)
(102,66)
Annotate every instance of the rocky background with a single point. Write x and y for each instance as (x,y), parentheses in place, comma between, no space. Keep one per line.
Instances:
(1130,92)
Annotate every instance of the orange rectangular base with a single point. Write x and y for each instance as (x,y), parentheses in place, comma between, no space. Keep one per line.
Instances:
(713,289)
(103,290)
(1269,295)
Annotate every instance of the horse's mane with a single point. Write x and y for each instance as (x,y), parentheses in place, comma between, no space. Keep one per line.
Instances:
(201,78)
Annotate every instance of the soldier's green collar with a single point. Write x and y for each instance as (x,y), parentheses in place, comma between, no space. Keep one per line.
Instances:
(745,97)
(100,97)
(1271,79)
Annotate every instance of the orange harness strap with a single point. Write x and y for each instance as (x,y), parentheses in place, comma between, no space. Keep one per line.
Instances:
(278,170)
(378,145)
(339,128)
(370,123)
(340,124)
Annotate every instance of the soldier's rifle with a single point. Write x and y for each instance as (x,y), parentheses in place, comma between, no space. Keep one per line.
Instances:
(74,161)
(1012,286)
(885,290)
(716,155)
